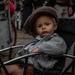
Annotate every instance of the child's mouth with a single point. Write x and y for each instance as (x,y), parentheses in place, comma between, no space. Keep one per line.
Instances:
(45,32)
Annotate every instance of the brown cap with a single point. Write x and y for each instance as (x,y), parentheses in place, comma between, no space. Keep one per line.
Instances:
(45,10)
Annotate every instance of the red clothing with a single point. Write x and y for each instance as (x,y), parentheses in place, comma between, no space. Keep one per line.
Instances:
(12,8)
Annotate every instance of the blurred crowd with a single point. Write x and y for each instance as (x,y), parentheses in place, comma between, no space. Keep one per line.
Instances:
(65,8)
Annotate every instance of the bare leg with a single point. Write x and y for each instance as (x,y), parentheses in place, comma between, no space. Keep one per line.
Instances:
(18,72)
(29,71)
(10,68)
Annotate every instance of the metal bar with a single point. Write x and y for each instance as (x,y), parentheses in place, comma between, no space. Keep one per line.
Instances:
(9,21)
(21,57)
(9,27)
(73,66)
(25,67)
(5,49)
(69,56)
(64,71)
(28,55)
(3,66)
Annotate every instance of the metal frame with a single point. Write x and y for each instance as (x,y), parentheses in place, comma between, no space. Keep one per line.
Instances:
(33,54)
(15,59)
(5,49)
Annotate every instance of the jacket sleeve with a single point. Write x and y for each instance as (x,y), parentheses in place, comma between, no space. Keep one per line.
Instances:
(55,46)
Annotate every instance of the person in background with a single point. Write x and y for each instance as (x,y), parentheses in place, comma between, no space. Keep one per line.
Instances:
(27,10)
(11,5)
(12,8)
(30,5)
(64,8)
(73,7)
(41,24)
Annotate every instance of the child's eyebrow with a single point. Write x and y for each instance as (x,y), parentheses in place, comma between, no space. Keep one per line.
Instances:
(47,22)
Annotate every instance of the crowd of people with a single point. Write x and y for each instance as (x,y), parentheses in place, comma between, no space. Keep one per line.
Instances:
(65,8)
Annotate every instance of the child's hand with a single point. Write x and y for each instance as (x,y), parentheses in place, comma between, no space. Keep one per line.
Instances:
(35,50)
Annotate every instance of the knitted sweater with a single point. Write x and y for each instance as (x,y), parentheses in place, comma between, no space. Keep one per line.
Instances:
(50,46)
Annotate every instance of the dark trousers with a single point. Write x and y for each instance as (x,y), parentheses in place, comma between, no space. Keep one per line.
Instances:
(26,12)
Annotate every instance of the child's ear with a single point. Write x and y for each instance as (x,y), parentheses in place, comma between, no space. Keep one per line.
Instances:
(55,26)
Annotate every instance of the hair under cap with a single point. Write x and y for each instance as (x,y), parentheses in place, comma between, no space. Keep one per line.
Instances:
(45,10)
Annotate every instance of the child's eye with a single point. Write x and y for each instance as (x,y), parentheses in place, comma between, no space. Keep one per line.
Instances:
(47,23)
(39,25)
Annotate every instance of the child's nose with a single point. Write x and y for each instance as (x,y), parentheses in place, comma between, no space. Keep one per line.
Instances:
(43,27)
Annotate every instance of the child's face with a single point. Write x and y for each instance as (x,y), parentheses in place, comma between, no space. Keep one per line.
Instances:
(45,25)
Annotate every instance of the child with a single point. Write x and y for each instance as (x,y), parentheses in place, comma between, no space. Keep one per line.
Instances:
(42,24)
